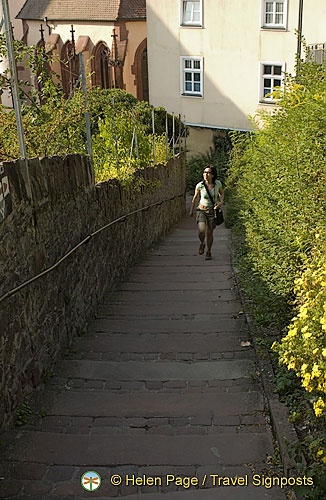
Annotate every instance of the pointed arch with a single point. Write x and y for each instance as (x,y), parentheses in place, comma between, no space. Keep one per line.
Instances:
(101,69)
(70,69)
(140,70)
(38,83)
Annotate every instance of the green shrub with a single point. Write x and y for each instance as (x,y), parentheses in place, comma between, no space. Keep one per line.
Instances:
(303,349)
(277,182)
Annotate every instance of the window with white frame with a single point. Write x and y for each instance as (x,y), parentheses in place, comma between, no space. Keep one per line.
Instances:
(271,78)
(274,14)
(192,76)
(191,12)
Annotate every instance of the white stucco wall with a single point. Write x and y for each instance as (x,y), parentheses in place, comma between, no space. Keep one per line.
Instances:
(14,8)
(232,44)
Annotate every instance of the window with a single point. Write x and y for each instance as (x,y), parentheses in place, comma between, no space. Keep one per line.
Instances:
(272,75)
(101,68)
(191,12)
(192,76)
(274,14)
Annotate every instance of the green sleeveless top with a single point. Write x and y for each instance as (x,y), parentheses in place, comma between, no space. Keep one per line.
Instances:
(204,198)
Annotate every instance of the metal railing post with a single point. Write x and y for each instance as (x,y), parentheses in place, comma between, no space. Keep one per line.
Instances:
(14,90)
(185,131)
(173,134)
(87,121)
(153,127)
(115,134)
(167,135)
(179,133)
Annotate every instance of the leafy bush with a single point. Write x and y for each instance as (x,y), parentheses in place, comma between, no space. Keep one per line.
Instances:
(277,182)
(115,147)
(277,204)
(303,349)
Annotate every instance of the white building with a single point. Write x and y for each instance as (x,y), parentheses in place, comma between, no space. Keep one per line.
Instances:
(215,61)
(14,8)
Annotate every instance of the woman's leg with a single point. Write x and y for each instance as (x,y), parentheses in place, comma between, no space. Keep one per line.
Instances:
(209,238)
(209,242)
(201,233)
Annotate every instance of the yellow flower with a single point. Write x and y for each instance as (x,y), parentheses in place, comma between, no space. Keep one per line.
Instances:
(303,312)
(324,460)
(315,371)
(318,412)
(320,452)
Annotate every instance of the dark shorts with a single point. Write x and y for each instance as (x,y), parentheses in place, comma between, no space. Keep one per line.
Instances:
(206,216)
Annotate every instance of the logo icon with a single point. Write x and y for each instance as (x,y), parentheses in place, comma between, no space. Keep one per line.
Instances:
(91,481)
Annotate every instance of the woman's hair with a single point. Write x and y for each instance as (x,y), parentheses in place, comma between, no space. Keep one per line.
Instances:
(213,170)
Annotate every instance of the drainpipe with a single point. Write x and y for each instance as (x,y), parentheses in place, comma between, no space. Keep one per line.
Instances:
(300,29)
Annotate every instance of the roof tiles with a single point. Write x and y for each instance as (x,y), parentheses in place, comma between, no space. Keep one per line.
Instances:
(86,10)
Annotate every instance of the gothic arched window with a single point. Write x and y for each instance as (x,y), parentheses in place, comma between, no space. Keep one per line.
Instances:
(140,70)
(101,66)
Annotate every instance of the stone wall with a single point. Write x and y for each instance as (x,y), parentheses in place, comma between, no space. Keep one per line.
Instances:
(38,322)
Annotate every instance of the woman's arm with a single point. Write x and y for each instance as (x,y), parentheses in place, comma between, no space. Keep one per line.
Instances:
(221,196)
(193,203)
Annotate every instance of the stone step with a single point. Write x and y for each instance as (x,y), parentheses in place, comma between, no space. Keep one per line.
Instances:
(155,296)
(188,325)
(150,283)
(161,343)
(64,482)
(137,387)
(218,493)
(156,370)
(182,261)
(106,451)
(220,233)
(168,308)
(197,272)
(203,409)
(190,250)
(187,242)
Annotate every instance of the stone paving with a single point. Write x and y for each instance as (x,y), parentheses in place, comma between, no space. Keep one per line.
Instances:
(159,389)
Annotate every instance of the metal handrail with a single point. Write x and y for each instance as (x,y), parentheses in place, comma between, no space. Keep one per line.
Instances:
(83,242)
